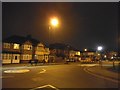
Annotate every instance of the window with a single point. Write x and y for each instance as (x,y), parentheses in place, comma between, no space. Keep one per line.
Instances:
(6,56)
(16,46)
(28,47)
(38,48)
(15,57)
(46,57)
(26,57)
(10,56)
(6,45)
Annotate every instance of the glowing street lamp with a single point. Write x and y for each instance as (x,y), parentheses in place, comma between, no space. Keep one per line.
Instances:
(99,48)
(54,22)
(85,49)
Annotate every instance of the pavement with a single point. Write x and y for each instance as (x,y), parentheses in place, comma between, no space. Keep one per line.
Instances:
(106,72)
(28,64)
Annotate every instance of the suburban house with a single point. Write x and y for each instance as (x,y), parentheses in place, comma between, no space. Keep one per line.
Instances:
(74,55)
(26,51)
(90,56)
(11,50)
(18,49)
(61,52)
(41,53)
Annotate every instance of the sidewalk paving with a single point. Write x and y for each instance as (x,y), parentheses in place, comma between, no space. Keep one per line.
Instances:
(38,64)
(28,64)
(106,71)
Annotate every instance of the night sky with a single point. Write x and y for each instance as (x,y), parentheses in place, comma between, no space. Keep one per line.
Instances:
(82,25)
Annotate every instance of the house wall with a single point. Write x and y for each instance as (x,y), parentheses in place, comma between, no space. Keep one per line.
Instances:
(26,52)
(10,58)
(9,47)
(16,58)
(41,53)
(6,58)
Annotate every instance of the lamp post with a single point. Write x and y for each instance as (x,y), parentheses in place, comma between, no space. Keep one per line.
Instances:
(85,56)
(53,23)
(99,49)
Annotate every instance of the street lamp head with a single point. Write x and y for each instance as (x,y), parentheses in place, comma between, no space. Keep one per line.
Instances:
(99,48)
(85,49)
(54,22)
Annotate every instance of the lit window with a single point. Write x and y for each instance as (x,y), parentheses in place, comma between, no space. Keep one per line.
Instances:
(16,46)
(10,56)
(28,47)
(27,57)
(6,56)
(78,53)
(6,45)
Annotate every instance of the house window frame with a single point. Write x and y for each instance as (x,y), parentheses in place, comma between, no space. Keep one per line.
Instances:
(26,57)
(6,56)
(16,57)
(6,45)
(27,47)
(16,46)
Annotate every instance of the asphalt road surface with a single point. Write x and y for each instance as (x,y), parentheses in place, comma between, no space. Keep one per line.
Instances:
(53,76)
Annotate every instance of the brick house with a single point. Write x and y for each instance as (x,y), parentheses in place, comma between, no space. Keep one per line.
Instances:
(11,50)
(17,49)
(41,52)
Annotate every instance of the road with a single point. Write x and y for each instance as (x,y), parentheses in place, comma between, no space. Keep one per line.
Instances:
(53,76)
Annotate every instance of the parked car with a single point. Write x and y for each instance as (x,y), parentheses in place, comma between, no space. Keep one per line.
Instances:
(33,61)
(70,60)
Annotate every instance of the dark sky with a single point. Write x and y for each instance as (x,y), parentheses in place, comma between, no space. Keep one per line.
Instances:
(82,24)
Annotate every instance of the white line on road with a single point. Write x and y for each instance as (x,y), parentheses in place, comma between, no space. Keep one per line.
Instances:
(21,67)
(100,76)
(43,71)
(45,86)
(6,76)
(87,64)
(17,71)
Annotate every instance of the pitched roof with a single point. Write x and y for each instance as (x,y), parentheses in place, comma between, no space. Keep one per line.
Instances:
(14,39)
(61,46)
(20,39)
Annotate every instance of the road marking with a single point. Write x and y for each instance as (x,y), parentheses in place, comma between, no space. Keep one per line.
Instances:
(6,76)
(43,71)
(100,76)
(45,86)
(21,67)
(87,64)
(17,71)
